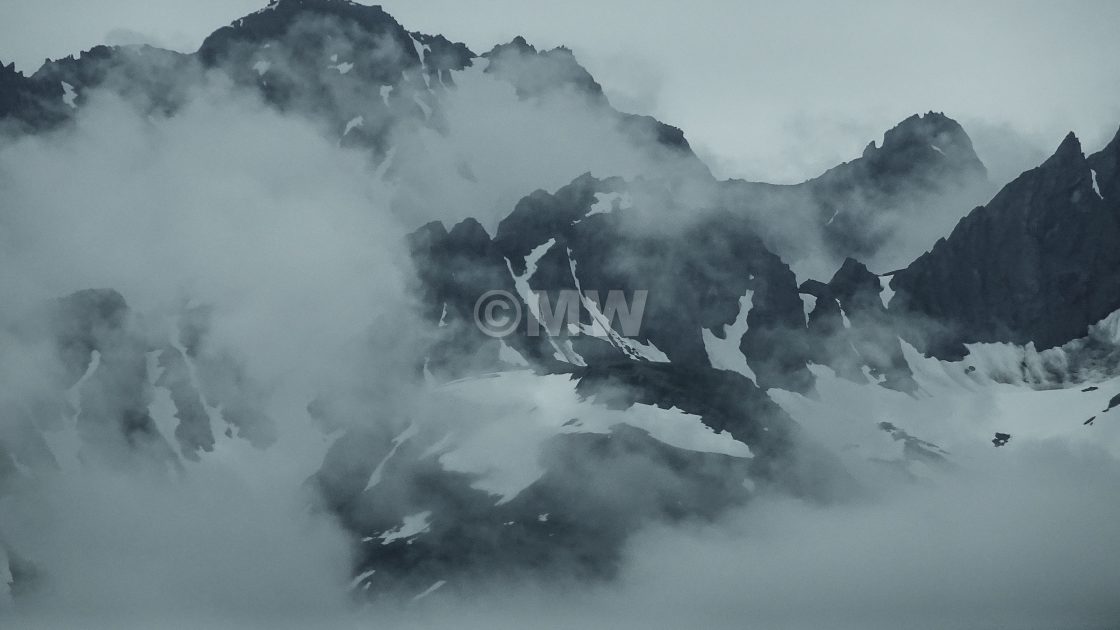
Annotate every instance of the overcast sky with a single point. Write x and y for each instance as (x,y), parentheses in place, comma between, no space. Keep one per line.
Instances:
(762,91)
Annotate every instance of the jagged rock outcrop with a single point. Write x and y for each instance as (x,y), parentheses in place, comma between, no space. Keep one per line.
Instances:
(1039,263)
(850,329)
(363,24)
(858,208)
(26,104)
(591,237)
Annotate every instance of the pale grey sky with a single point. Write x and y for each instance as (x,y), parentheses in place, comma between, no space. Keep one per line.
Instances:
(763,91)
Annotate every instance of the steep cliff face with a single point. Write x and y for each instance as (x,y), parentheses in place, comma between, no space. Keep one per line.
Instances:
(851,331)
(602,236)
(28,105)
(1039,263)
(921,157)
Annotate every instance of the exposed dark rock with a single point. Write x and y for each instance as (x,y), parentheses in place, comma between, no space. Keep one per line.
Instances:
(1039,263)
(28,105)
(368,24)
(455,270)
(153,79)
(915,449)
(442,56)
(857,207)
(850,329)
(534,73)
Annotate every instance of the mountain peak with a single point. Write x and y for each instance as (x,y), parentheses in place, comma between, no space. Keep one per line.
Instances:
(517,43)
(276,19)
(1068,151)
(935,131)
(534,72)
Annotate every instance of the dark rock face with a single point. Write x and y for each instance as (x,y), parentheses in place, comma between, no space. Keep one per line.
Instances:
(695,279)
(455,270)
(692,279)
(922,155)
(565,524)
(152,78)
(1039,263)
(534,73)
(275,22)
(569,522)
(859,206)
(850,329)
(337,62)
(28,105)
(586,235)
(440,56)
(1105,171)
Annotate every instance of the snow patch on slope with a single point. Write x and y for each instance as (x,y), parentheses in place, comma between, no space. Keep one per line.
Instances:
(343,67)
(354,123)
(419,49)
(510,355)
(360,579)
(885,290)
(606,202)
(601,327)
(562,351)
(954,409)
(68,95)
(521,411)
(428,591)
(411,527)
(725,354)
(406,435)
(1089,359)
(1107,330)
(843,316)
(808,303)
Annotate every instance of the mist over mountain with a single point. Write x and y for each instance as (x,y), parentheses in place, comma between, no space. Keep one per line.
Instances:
(334,322)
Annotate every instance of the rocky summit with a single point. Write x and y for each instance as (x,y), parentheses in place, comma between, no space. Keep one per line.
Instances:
(423,321)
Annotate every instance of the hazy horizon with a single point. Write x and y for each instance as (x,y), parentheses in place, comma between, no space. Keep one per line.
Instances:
(765,93)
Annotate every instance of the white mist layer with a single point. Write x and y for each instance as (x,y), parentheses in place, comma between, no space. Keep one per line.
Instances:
(290,240)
